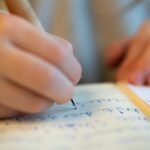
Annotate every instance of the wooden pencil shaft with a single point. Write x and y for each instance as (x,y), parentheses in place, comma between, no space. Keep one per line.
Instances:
(23,8)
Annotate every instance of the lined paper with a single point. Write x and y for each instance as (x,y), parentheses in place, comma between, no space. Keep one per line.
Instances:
(104,119)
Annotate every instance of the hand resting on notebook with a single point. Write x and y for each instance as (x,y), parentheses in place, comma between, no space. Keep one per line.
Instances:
(36,68)
(132,55)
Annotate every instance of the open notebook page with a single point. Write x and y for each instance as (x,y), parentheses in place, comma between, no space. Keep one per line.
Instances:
(105,119)
(142,92)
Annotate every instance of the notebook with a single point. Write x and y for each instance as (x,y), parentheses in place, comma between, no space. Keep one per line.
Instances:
(108,117)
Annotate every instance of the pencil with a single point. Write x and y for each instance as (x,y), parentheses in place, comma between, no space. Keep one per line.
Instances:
(73,103)
(23,8)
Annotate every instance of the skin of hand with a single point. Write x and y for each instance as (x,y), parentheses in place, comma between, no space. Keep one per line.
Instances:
(36,68)
(132,56)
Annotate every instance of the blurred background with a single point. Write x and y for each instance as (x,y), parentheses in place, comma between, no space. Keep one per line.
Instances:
(91,25)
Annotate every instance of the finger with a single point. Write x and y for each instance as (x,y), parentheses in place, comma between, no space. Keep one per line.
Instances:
(116,51)
(63,42)
(6,112)
(34,73)
(148,80)
(135,51)
(21,100)
(45,46)
(141,69)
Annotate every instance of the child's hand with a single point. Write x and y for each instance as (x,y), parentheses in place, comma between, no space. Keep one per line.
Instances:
(36,68)
(134,55)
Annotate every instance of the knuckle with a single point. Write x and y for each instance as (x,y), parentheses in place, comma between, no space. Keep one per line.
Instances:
(65,43)
(68,44)
(62,55)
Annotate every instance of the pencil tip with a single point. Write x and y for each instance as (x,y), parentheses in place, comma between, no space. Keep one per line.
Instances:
(73,103)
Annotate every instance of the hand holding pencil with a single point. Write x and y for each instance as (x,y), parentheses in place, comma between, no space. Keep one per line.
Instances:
(36,68)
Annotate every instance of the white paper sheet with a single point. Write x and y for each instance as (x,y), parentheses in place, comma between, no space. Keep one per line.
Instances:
(141,91)
(105,119)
